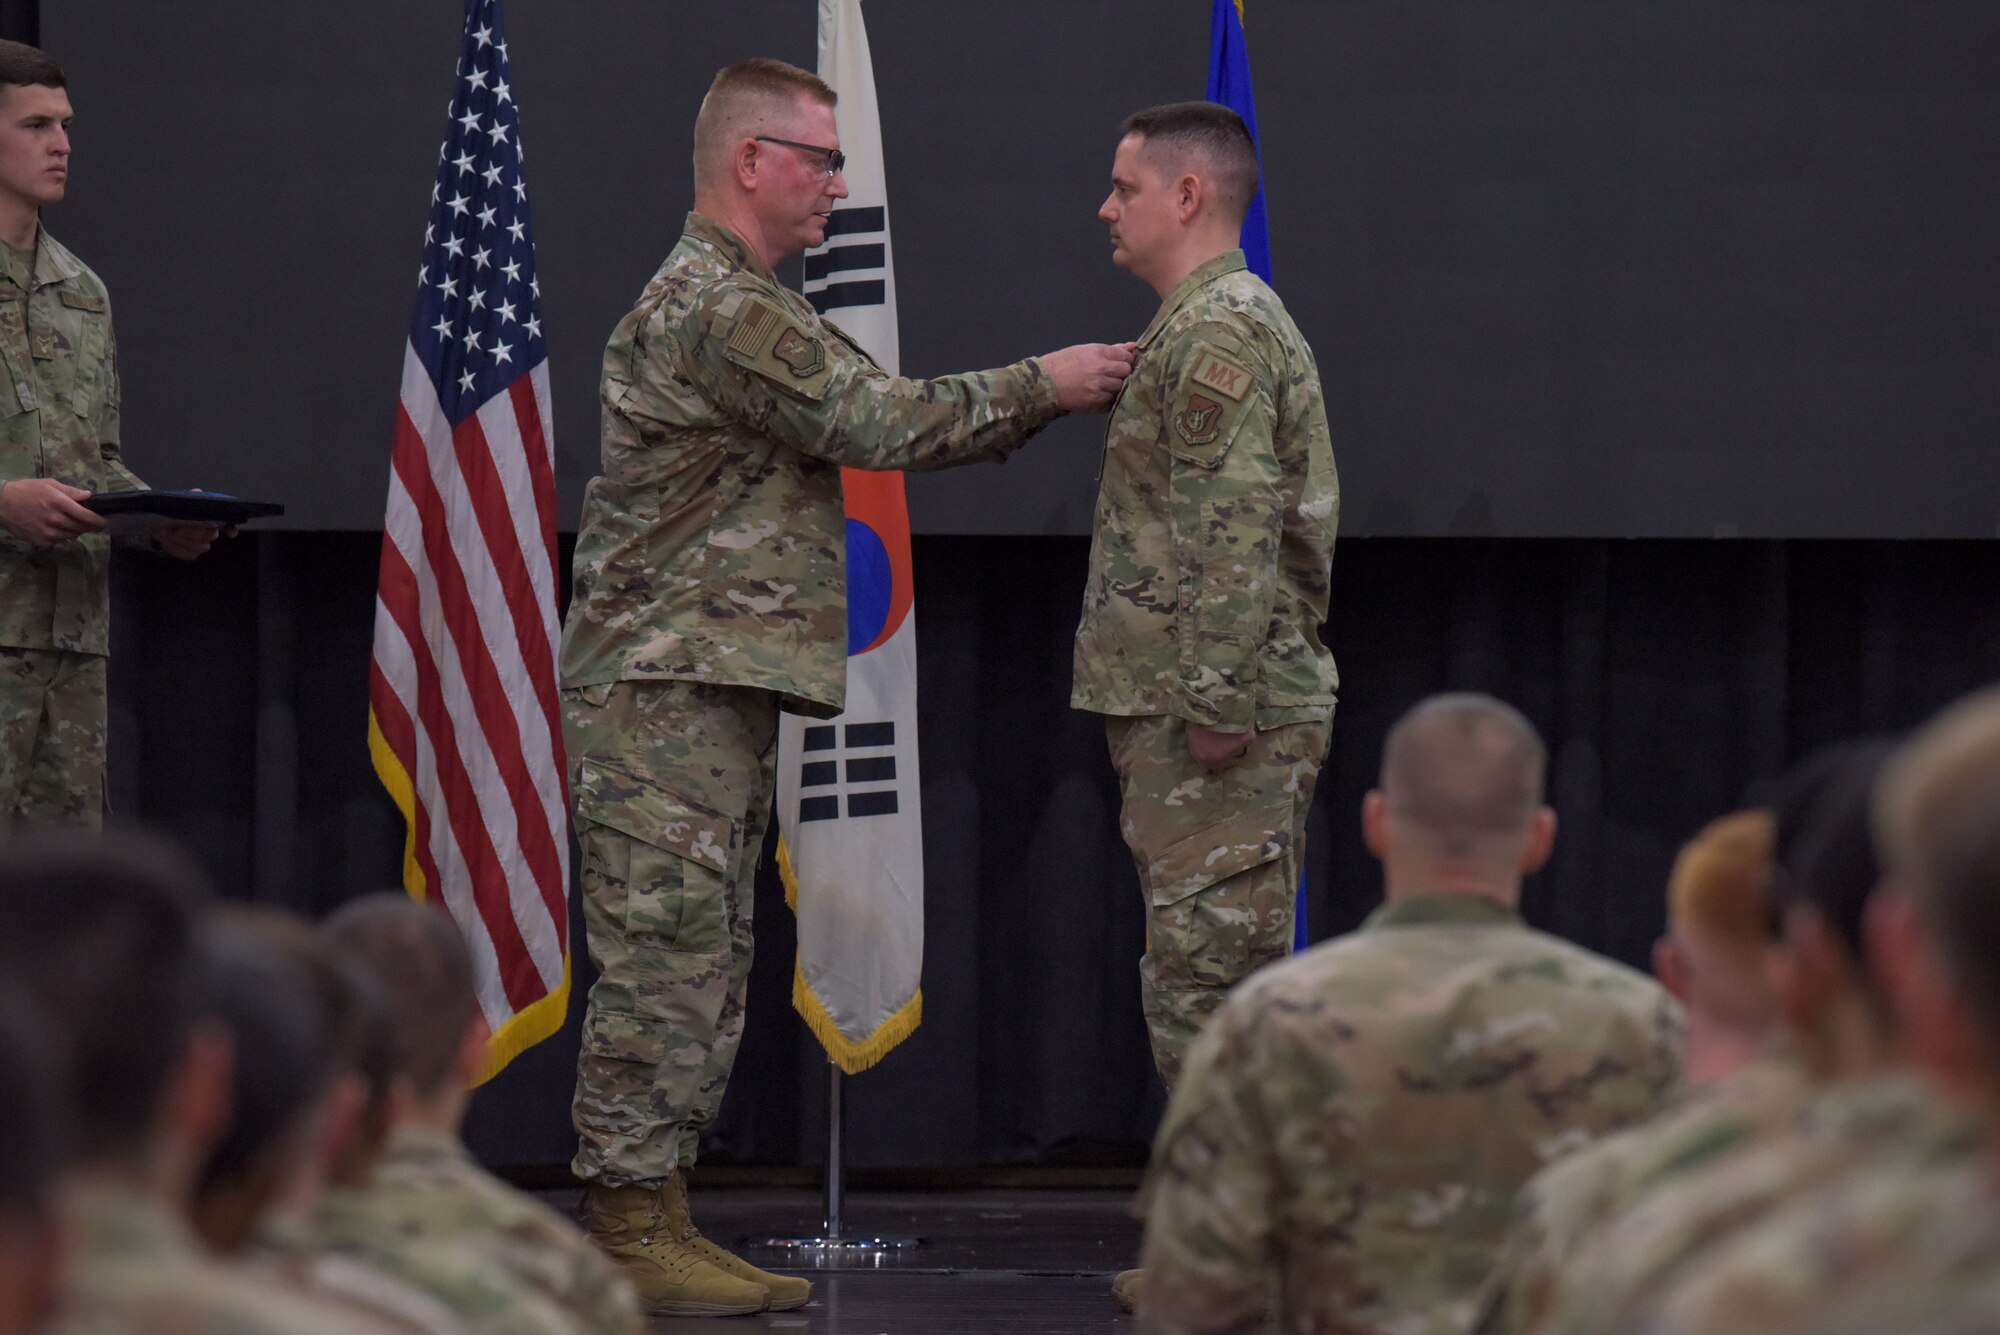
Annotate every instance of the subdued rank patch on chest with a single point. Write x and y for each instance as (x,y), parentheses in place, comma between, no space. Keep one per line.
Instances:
(1220,374)
(1199,421)
(802,355)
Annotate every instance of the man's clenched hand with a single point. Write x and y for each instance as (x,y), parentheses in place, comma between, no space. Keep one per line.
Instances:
(1088,375)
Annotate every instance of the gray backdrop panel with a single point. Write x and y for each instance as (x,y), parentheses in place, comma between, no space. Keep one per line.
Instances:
(1695,268)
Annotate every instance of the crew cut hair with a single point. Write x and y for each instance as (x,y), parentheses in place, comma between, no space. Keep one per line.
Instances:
(100,930)
(1181,134)
(748,98)
(23,64)
(416,958)
(1465,769)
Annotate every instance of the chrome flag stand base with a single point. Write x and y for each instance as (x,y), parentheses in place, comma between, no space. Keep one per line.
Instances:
(833,1247)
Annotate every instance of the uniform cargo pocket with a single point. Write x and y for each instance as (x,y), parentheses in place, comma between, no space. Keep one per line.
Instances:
(1227,848)
(676,883)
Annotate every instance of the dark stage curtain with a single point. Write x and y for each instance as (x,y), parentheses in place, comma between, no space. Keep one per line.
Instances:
(1668,677)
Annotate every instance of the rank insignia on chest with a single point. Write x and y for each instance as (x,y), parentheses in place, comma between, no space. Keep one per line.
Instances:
(802,355)
(44,341)
(1198,422)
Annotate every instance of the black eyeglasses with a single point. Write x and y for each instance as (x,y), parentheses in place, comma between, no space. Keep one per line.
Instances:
(835,159)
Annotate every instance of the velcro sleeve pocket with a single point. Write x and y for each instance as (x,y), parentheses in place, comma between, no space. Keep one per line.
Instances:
(761,338)
(1206,411)
(1227,848)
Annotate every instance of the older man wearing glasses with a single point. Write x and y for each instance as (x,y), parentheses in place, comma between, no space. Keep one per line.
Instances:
(710,594)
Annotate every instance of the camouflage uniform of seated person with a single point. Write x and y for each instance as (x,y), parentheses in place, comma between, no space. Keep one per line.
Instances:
(102,931)
(1863,1105)
(424,1207)
(1353,1123)
(1897,1246)
(1744,1085)
(710,593)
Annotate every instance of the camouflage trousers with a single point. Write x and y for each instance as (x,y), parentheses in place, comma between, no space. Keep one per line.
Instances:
(672,787)
(52,725)
(1218,857)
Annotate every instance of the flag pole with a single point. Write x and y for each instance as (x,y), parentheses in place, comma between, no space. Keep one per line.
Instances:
(832,1248)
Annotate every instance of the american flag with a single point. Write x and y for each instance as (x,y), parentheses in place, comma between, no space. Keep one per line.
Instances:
(463,719)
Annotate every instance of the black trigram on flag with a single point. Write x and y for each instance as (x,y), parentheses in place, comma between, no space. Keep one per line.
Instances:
(834,771)
(848,271)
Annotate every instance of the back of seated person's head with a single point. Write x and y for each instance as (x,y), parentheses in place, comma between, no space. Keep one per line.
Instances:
(100,931)
(416,957)
(1938,818)
(266,995)
(32,1120)
(1461,786)
(1721,922)
(1826,863)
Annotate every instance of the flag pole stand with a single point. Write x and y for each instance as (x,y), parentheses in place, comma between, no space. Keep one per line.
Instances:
(833,1245)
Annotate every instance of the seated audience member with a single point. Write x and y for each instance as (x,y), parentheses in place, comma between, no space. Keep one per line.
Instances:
(102,932)
(1908,1242)
(1864,1104)
(426,1185)
(1721,926)
(297,1018)
(1352,1125)
(33,1253)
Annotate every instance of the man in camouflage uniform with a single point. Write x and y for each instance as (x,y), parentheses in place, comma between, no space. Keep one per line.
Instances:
(1861,1104)
(710,594)
(1909,1240)
(1352,1124)
(101,932)
(58,444)
(1210,558)
(1745,1088)
(424,1210)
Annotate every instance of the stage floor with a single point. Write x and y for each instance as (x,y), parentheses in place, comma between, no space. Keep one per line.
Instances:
(1022,1262)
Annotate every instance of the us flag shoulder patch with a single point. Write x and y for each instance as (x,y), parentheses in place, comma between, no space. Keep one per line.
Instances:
(754,326)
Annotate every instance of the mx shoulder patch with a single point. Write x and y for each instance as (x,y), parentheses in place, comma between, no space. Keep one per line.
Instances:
(1212,370)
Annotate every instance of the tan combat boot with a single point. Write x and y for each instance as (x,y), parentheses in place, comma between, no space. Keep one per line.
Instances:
(787,1291)
(673,1277)
(1125,1288)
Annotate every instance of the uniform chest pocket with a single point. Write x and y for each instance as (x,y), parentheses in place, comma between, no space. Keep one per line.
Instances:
(69,338)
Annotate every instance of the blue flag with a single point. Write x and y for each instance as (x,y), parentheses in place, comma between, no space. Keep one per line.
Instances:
(1229,84)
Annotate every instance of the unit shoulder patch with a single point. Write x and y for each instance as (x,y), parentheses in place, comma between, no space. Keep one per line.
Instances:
(777,346)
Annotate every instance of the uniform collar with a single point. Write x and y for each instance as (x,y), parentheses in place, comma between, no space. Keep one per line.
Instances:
(1226,263)
(51,263)
(733,247)
(118,1223)
(422,1144)
(1427,910)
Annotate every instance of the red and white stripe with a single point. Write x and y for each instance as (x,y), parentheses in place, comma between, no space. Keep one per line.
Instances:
(463,684)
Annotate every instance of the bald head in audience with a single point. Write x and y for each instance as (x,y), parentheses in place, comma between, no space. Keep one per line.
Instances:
(1458,807)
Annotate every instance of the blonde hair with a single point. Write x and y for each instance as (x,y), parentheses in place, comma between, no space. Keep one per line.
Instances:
(747,99)
(1720,886)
